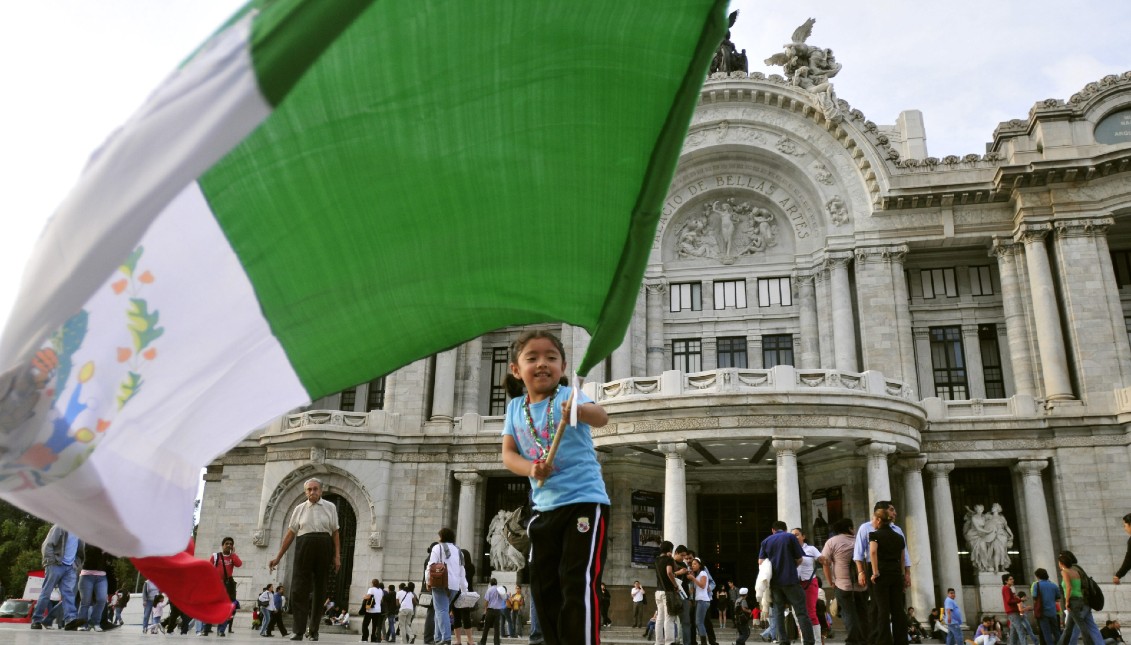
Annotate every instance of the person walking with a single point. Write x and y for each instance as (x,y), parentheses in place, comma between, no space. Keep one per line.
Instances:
(92,587)
(266,608)
(807,573)
(371,612)
(515,603)
(953,619)
(445,575)
(63,556)
(1079,613)
(1046,596)
(407,609)
(851,596)
(784,553)
(496,602)
(314,524)
(279,606)
(226,562)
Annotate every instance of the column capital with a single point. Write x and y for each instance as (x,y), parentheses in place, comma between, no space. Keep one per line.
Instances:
(655,287)
(1031,467)
(921,333)
(673,450)
(969,329)
(877,450)
(693,488)
(913,462)
(1083,226)
(1004,247)
(468,478)
(838,259)
(940,469)
(787,446)
(805,277)
(1033,233)
(886,254)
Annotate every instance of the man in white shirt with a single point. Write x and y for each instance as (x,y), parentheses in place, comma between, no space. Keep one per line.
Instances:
(637,605)
(315,524)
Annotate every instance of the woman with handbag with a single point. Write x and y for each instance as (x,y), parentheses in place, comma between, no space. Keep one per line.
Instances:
(446,578)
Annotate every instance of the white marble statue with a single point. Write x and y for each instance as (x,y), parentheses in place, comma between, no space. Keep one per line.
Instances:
(988,538)
(504,557)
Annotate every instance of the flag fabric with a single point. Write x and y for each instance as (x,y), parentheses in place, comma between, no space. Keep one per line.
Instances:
(322,193)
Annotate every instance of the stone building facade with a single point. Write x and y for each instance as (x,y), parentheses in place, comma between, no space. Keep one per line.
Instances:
(829,317)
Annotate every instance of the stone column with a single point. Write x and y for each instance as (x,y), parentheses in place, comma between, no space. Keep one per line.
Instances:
(622,358)
(975,373)
(810,354)
(472,365)
(879,487)
(925,365)
(789,491)
(693,518)
(879,317)
(824,317)
(844,319)
(1037,514)
(444,389)
(465,516)
(675,493)
(1050,339)
(1019,356)
(903,318)
(655,292)
(917,528)
(1091,301)
(946,537)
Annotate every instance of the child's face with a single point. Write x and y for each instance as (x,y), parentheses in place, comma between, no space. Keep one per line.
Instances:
(540,366)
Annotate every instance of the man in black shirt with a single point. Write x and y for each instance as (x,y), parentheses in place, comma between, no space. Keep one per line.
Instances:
(666,581)
(1110,633)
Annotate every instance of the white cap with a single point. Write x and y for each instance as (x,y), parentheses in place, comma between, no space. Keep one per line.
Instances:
(743,591)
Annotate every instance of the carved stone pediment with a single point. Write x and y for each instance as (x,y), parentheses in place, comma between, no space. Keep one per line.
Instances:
(724,230)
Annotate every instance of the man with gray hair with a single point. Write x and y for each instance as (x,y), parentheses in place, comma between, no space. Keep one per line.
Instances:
(315,525)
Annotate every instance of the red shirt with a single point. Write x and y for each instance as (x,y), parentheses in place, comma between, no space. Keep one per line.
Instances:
(230,561)
(1010,600)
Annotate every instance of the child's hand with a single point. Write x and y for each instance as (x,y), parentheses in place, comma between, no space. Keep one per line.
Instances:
(540,470)
(566,408)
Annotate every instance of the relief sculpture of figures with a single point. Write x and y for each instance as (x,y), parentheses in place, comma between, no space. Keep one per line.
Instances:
(988,538)
(726,230)
(504,557)
(810,68)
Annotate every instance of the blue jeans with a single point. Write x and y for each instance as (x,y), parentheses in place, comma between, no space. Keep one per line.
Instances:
(1080,616)
(794,596)
(1024,629)
(92,590)
(685,623)
(954,634)
(771,630)
(852,604)
(391,627)
(701,607)
(146,612)
(441,602)
(264,621)
(63,576)
(1050,628)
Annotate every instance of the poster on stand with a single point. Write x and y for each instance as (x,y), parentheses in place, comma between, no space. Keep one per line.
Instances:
(647,527)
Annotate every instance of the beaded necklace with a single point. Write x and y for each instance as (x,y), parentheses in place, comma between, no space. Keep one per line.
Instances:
(550,427)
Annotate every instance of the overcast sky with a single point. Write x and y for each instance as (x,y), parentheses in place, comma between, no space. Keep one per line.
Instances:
(73,70)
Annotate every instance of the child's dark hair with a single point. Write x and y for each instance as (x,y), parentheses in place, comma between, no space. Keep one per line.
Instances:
(158,598)
(515,386)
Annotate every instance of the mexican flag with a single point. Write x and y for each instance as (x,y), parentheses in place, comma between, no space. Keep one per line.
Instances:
(323,192)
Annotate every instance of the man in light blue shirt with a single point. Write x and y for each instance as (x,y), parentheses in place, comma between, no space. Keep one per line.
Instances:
(496,601)
(953,619)
(860,556)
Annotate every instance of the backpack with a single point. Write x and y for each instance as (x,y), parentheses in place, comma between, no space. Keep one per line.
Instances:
(1093,595)
(438,571)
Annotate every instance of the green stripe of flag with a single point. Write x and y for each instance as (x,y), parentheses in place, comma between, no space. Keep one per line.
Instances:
(449,168)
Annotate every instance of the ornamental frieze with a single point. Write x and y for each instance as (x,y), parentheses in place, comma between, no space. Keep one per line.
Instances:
(724,230)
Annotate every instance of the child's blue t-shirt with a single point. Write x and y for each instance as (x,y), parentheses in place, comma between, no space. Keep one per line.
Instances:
(577,474)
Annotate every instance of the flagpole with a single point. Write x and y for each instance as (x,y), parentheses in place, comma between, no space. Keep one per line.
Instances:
(561,429)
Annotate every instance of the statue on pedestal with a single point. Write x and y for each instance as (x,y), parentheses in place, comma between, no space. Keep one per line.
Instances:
(810,68)
(988,538)
(727,58)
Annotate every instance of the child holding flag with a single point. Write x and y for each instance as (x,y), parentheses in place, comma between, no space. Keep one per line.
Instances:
(571,507)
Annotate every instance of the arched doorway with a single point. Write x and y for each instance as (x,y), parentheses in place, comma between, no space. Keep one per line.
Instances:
(338,584)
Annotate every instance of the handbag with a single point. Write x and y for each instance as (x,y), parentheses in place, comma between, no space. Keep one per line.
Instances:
(425,599)
(514,529)
(466,600)
(674,602)
(438,571)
